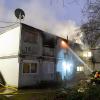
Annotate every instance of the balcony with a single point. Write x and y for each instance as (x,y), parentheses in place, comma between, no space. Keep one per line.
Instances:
(48,51)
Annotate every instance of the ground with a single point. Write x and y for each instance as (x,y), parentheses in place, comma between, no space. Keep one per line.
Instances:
(92,92)
(28,94)
(81,91)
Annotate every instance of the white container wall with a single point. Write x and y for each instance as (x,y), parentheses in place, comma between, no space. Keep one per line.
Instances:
(9,69)
(9,42)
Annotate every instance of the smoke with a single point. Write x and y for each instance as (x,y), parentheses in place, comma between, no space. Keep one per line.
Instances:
(2,9)
(42,15)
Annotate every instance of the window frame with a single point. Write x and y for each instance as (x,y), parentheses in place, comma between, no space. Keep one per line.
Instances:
(28,34)
(28,68)
(30,62)
(31,67)
(80,69)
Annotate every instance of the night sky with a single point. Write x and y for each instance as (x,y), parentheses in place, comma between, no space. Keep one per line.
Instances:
(52,17)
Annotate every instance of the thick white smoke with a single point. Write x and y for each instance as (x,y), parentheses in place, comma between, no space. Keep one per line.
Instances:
(40,14)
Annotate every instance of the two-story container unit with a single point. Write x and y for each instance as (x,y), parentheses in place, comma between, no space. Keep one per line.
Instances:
(27,55)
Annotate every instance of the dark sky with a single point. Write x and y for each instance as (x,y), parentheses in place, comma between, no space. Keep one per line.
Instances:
(54,18)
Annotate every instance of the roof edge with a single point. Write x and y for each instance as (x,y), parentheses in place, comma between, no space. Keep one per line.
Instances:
(9,27)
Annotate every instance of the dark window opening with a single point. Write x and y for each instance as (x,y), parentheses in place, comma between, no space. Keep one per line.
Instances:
(49,40)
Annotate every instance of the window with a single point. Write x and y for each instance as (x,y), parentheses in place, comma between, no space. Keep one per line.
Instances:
(30,68)
(48,51)
(49,40)
(26,68)
(30,37)
(80,68)
(33,68)
(51,67)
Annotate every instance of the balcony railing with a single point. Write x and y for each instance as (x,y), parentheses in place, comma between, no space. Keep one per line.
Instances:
(48,51)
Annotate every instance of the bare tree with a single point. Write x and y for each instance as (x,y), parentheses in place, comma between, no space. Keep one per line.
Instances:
(91,29)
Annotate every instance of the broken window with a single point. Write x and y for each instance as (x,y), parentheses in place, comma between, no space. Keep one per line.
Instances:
(49,40)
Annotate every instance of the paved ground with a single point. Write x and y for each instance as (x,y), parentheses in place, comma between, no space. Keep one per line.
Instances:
(7,94)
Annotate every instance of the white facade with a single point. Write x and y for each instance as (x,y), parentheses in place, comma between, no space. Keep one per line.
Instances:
(9,69)
(9,42)
(9,48)
(24,60)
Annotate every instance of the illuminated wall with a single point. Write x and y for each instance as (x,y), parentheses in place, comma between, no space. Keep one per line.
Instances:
(66,61)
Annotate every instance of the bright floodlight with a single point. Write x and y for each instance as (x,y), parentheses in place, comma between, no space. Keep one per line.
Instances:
(64,44)
(66,66)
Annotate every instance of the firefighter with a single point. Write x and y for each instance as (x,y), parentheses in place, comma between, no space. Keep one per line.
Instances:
(96,75)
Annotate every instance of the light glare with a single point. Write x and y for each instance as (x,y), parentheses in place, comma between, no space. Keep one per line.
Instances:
(64,44)
(87,54)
